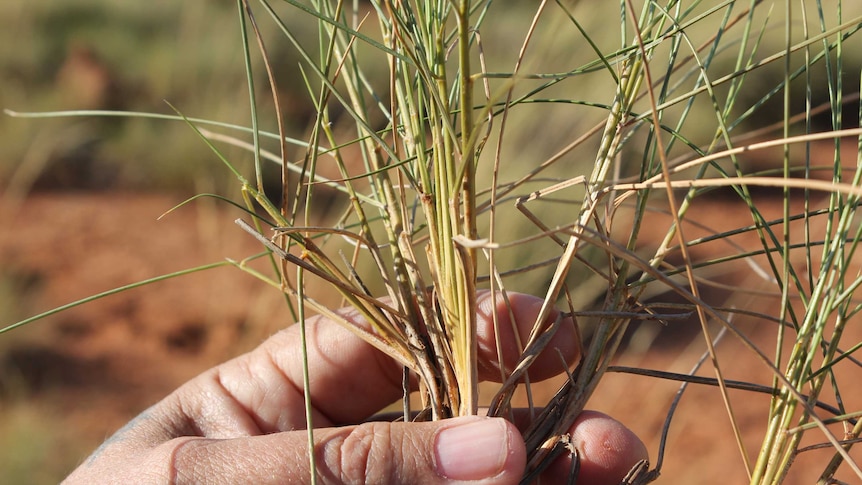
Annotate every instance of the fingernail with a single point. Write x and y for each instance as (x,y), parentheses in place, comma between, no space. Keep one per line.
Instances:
(472,449)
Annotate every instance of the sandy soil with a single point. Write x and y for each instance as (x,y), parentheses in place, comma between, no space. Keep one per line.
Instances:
(91,368)
(68,381)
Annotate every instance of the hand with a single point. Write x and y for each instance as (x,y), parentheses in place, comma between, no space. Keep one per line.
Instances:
(243,421)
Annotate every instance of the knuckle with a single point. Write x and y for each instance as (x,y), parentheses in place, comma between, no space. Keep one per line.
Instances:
(360,454)
(175,461)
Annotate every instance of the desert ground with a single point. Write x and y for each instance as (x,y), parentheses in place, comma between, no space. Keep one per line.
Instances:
(70,380)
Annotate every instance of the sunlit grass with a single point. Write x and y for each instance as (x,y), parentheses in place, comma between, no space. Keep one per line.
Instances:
(462,160)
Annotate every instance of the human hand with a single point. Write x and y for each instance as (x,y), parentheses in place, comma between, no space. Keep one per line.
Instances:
(243,421)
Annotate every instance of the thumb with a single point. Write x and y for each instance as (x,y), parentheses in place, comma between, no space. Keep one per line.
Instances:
(471,449)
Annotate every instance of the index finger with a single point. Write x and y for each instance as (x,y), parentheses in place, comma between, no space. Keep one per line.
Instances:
(262,392)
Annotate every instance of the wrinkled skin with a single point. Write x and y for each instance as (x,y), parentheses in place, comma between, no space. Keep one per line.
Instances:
(243,421)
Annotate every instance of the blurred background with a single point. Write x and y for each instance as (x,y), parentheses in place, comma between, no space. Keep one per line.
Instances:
(80,197)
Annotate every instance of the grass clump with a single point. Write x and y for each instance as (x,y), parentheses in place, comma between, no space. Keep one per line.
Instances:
(417,112)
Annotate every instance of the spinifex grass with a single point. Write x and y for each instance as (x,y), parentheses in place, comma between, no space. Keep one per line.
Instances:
(429,205)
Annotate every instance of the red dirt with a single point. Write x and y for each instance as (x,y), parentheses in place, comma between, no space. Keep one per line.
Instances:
(99,364)
(88,370)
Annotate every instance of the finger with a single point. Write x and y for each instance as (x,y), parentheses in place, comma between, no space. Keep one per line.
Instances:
(607,451)
(475,449)
(519,314)
(261,392)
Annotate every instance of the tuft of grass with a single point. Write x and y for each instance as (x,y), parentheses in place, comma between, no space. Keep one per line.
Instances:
(420,113)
